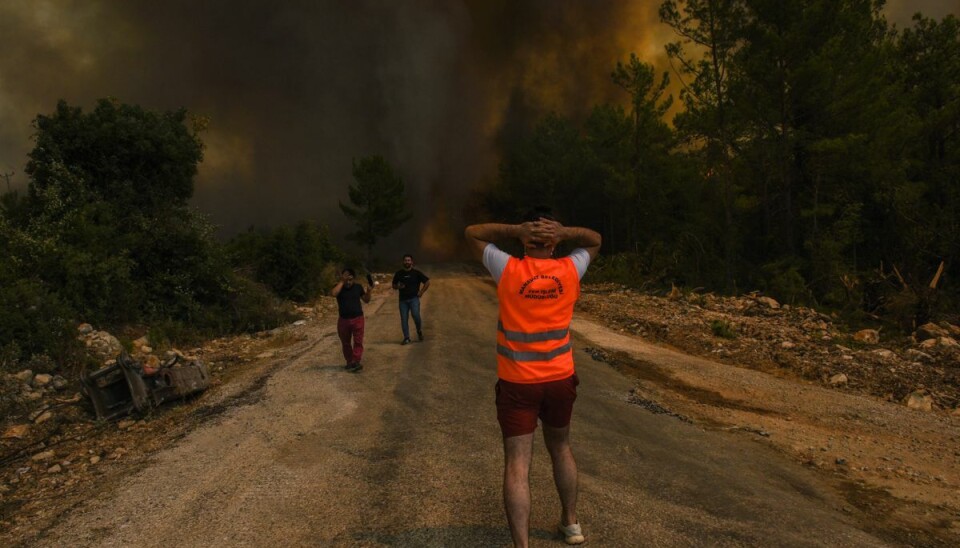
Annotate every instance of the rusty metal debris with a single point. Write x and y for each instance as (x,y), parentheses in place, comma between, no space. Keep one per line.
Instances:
(128,386)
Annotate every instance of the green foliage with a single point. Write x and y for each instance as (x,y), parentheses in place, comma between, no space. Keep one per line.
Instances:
(34,322)
(104,235)
(378,201)
(786,283)
(292,261)
(722,329)
(140,161)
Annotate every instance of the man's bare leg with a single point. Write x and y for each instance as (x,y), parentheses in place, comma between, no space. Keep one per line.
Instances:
(517,453)
(564,470)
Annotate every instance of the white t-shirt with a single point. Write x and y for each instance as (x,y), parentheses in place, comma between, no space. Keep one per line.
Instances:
(496,259)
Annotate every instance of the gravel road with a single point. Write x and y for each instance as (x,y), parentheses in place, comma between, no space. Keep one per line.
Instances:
(407,453)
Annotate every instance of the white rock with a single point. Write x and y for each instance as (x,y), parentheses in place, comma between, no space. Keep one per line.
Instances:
(46,455)
(94,459)
(787,345)
(55,469)
(767,301)
(838,379)
(42,379)
(300,322)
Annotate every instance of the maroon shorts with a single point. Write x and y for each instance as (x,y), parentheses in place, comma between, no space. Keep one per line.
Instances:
(520,405)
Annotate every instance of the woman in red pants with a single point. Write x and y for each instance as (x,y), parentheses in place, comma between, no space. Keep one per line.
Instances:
(350,323)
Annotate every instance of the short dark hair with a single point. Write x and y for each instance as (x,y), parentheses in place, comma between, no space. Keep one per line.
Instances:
(349,271)
(408,255)
(538,212)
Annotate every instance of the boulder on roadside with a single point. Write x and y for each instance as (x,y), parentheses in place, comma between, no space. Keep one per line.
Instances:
(25,376)
(930,331)
(768,302)
(102,345)
(45,455)
(85,329)
(867,336)
(919,400)
(42,379)
(838,380)
(885,354)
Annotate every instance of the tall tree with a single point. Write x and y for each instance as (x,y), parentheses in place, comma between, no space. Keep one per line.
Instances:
(710,33)
(378,201)
(652,141)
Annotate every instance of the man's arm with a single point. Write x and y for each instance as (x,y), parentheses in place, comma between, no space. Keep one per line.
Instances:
(337,288)
(423,289)
(588,239)
(478,236)
(366,294)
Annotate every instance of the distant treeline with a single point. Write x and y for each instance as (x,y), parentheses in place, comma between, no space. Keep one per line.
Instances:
(816,157)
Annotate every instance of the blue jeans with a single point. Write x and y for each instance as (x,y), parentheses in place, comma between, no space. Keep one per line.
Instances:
(406,308)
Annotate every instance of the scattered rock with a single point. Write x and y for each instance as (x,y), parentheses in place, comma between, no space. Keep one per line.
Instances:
(46,455)
(885,354)
(265,355)
(18,431)
(930,331)
(55,469)
(839,379)
(787,345)
(94,459)
(768,302)
(123,425)
(85,329)
(59,383)
(44,417)
(919,400)
(867,336)
(42,379)
(948,341)
(24,376)
(300,322)
(102,345)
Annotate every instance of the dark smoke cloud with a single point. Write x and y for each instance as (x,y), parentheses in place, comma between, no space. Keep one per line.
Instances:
(295,90)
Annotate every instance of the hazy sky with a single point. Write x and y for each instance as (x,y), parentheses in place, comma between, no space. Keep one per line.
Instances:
(296,89)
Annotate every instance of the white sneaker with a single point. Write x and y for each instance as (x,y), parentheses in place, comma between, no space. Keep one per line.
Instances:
(572,534)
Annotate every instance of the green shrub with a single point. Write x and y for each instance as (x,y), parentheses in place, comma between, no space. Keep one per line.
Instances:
(723,329)
(292,261)
(35,322)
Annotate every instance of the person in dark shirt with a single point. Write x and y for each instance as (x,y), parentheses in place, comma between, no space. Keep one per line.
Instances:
(411,284)
(350,322)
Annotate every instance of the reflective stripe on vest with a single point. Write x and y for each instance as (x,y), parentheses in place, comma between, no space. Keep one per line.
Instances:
(532,356)
(536,300)
(520,336)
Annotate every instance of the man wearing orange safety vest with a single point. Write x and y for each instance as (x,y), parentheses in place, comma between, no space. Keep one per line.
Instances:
(534,357)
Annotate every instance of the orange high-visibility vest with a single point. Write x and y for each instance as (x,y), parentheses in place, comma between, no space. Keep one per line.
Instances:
(536,307)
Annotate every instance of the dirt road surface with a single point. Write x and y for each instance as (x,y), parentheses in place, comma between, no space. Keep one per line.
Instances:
(408,453)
